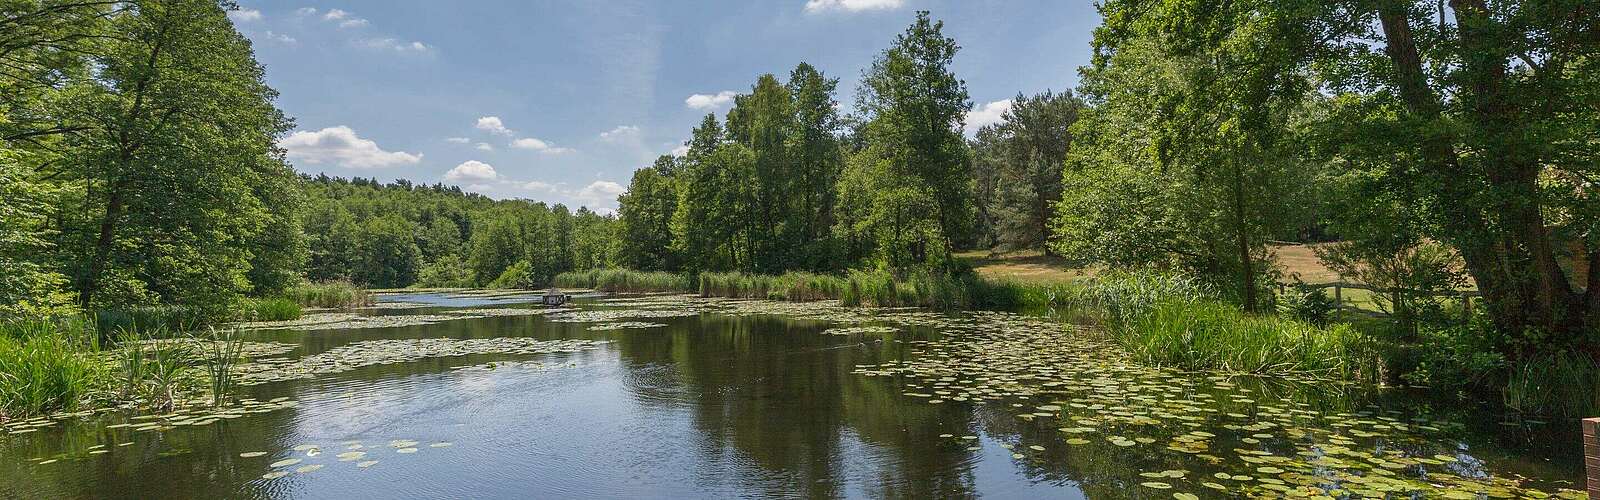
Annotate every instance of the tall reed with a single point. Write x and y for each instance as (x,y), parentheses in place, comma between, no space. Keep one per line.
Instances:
(222,351)
(329,294)
(625,281)
(45,366)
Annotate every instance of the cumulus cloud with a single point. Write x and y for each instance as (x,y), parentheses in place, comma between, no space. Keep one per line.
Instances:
(493,125)
(353,23)
(852,5)
(538,145)
(472,171)
(393,44)
(484,146)
(280,38)
(600,193)
(306,11)
(987,114)
(244,15)
(710,101)
(539,186)
(620,133)
(332,15)
(341,146)
(459,140)
(681,150)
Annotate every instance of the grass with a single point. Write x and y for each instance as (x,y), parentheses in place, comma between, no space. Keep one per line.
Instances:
(42,366)
(795,286)
(271,309)
(329,294)
(174,318)
(1561,384)
(625,281)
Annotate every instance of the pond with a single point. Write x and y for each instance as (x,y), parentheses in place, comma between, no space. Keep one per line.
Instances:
(679,397)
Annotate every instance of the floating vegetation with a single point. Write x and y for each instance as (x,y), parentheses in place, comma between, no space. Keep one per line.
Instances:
(509,311)
(624,325)
(612,315)
(860,330)
(186,416)
(381,352)
(1250,441)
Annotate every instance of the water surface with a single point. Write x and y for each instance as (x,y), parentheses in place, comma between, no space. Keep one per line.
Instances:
(757,402)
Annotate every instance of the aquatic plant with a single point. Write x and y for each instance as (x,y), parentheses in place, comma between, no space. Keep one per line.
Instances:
(329,294)
(271,309)
(794,286)
(1560,383)
(43,367)
(1210,335)
(171,318)
(222,352)
(625,281)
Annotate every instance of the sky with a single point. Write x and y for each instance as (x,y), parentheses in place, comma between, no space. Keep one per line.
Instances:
(561,101)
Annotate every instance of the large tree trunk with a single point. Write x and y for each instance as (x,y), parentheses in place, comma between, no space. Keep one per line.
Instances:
(1506,247)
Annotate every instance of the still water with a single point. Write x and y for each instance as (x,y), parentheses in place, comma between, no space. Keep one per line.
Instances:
(681,398)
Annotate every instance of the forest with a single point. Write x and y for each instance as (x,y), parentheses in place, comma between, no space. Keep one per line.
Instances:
(1426,150)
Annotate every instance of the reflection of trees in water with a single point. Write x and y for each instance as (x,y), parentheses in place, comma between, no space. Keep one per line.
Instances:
(778,410)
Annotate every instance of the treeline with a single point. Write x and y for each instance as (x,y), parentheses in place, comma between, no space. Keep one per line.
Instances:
(400,234)
(784,182)
(138,166)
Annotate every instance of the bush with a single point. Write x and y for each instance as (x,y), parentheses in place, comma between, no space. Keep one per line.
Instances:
(447,271)
(516,276)
(166,317)
(1312,305)
(1561,384)
(329,294)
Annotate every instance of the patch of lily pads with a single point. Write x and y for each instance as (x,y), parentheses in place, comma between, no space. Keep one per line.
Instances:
(390,351)
(310,457)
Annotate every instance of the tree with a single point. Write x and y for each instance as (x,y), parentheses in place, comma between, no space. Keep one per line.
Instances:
(815,151)
(390,258)
(915,108)
(1019,162)
(646,212)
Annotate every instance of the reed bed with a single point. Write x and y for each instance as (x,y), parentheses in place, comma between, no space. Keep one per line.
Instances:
(625,281)
(329,294)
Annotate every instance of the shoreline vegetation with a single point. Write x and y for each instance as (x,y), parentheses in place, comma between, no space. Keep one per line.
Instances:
(157,357)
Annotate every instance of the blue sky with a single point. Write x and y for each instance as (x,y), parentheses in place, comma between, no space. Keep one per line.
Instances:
(561,100)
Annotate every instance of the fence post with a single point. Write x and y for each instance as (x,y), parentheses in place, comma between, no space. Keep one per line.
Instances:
(1466,307)
(1591,454)
(1338,300)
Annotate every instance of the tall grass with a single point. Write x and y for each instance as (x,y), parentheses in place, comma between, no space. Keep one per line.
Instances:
(625,281)
(1562,384)
(175,318)
(43,367)
(221,353)
(794,286)
(270,309)
(1211,335)
(329,294)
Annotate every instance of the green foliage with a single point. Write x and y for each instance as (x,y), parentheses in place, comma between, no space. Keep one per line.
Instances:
(270,309)
(1306,304)
(1561,384)
(1017,165)
(448,271)
(44,373)
(223,350)
(1210,335)
(329,294)
(792,286)
(165,318)
(516,276)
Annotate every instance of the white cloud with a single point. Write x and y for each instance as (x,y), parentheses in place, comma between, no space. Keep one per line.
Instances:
(600,193)
(852,5)
(484,146)
(472,171)
(244,15)
(281,38)
(493,125)
(393,44)
(620,133)
(332,15)
(341,146)
(681,150)
(710,101)
(538,145)
(305,11)
(459,140)
(353,23)
(539,186)
(987,114)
